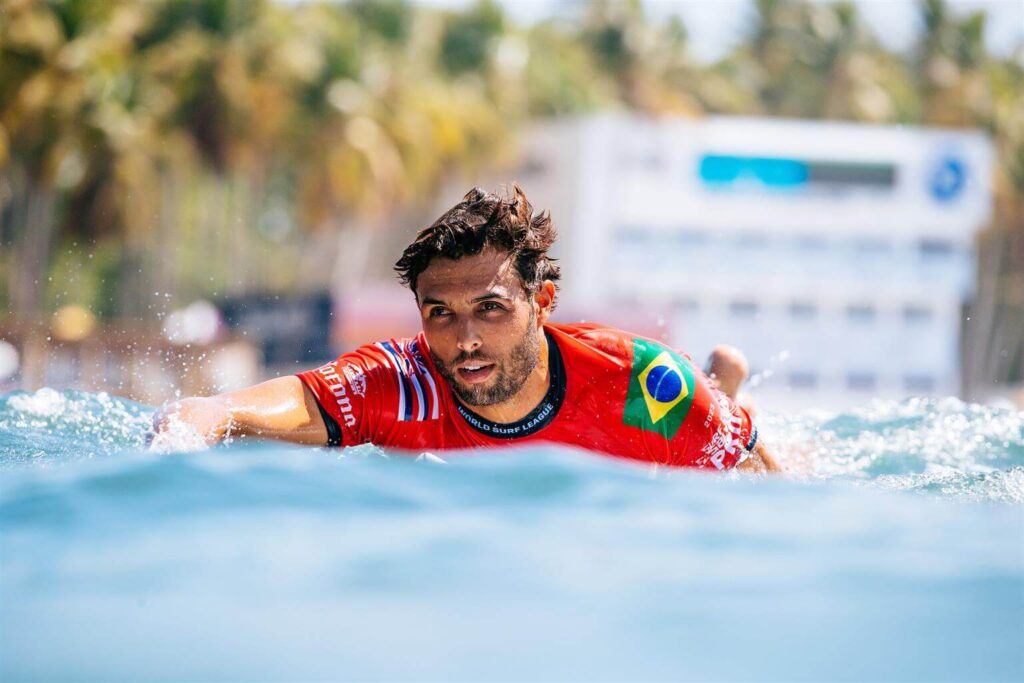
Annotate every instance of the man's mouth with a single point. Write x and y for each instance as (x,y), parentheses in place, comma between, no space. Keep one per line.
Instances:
(475,372)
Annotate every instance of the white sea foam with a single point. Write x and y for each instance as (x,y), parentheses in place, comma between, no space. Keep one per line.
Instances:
(45,402)
(941,447)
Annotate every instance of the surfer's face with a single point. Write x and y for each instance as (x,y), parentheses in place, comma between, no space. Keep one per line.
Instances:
(484,329)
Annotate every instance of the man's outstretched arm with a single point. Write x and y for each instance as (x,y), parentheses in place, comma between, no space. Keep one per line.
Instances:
(728,369)
(282,408)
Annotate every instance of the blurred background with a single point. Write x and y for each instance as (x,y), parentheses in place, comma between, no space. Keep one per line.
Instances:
(199,194)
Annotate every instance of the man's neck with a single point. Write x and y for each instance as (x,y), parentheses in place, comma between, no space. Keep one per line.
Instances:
(526,399)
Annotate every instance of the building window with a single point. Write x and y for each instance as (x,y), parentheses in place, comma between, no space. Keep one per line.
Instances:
(919,383)
(933,248)
(811,243)
(861,381)
(691,238)
(860,313)
(743,309)
(916,315)
(803,380)
(803,310)
(632,235)
(686,305)
(872,247)
(752,240)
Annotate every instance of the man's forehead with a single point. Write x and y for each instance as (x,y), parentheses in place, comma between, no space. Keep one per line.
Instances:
(489,272)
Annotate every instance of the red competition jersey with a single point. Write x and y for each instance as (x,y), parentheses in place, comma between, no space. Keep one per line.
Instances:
(610,391)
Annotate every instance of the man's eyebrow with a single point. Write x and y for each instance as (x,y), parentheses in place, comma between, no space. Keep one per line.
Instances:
(431,301)
(491,295)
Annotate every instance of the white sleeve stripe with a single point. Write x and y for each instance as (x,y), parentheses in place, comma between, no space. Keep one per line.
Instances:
(422,412)
(407,364)
(393,362)
(418,359)
(433,391)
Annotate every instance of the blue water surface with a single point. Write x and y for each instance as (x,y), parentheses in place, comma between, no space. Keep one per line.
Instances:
(894,550)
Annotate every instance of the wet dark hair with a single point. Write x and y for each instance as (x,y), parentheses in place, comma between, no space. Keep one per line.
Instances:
(506,223)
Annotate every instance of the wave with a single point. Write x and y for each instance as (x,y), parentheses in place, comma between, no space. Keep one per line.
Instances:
(261,561)
(942,447)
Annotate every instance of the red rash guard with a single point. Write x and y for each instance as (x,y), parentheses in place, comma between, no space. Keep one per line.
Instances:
(610,391)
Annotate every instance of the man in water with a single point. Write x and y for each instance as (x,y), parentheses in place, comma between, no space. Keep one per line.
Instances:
(488,369)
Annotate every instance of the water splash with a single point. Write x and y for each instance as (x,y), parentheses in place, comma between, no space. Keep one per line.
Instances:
(50,427)
(935,446)
(274,562)
(942,446)
(177,436)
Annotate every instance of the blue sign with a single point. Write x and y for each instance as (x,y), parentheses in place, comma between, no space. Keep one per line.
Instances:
(720,169)
(947,179)
(724,171)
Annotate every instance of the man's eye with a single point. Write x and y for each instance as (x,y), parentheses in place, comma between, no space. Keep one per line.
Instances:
(438,312)
(492,306)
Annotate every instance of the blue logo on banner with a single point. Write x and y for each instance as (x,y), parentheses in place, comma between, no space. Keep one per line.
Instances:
(947,179)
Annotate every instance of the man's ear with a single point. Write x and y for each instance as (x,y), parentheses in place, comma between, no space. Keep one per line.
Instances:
(544,298)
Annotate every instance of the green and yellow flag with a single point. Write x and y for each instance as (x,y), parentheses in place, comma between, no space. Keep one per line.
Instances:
(660,389)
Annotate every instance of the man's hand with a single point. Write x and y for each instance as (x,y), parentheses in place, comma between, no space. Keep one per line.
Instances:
(760,461)
(190,423)
(283,409)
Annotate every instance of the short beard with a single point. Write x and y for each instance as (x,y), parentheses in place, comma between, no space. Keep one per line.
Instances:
(511,378)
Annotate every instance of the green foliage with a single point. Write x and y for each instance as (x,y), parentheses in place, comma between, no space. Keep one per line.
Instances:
(219,18)
(562,77)
(390,19)
(467,39)
(166,131)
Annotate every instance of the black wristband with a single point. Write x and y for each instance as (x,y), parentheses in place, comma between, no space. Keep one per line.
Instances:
(753,439)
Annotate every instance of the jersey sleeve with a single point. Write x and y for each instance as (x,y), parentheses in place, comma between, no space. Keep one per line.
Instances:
(351,392)
(718,434)
(684,420)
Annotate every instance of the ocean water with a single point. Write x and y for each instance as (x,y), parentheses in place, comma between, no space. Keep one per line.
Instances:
(894,550)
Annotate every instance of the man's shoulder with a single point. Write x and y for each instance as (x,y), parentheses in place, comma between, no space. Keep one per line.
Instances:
(606,339)
(394,361)
(587,330)
(603,338)
(403,354)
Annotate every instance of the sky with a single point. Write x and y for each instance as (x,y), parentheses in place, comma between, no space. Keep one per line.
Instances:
(714,26)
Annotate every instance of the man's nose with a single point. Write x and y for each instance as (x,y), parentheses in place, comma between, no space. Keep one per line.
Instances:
(468,340)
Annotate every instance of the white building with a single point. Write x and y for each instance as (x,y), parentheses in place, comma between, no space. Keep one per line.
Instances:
(837,256)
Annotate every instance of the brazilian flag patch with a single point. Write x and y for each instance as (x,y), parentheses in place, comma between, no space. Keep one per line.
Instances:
(661,389)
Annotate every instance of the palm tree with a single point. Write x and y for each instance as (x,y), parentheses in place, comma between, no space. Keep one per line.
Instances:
(961,85)
(57,116)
